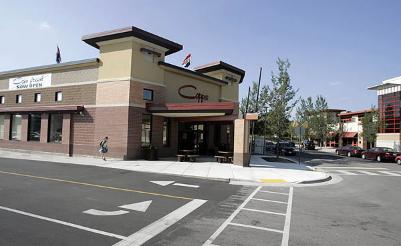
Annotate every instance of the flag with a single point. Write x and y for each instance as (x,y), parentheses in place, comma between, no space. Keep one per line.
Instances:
(187,61)
(58,55)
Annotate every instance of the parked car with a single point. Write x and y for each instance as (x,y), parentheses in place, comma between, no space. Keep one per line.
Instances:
(398,159)
(308,145)
(380,154)
(270,146)
(350,150)
(285,148)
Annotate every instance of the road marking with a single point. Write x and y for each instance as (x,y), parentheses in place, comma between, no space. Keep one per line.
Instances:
(262,211)
(265,200)
(367,172)
(95,185)
(104,213)
(63,223)
(139,206)
(142,236)
(256,227)
(162,183)
(366,168)
(186,185)
(345,172)
(390,173)
(230,218)
(286,234)
(274,192)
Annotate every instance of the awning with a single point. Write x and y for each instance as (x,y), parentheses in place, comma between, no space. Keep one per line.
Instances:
(349,134)
(192,109)
(34,109)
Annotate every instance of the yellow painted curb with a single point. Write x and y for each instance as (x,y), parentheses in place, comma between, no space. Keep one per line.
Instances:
(273,180)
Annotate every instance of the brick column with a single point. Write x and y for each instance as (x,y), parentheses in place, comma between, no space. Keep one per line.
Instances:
(66,128)
(7,127)
(24,127)
(44,125)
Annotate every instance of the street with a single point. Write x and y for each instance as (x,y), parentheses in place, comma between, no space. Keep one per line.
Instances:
(45,203)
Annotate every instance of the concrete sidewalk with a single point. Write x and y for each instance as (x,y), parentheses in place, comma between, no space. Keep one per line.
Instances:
(260,171)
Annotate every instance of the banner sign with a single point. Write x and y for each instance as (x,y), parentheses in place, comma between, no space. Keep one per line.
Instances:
(30,82)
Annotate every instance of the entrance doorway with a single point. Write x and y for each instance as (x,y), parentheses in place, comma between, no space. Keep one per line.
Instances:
(192,136)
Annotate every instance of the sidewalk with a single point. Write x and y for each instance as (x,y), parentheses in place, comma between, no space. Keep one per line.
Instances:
(260,170)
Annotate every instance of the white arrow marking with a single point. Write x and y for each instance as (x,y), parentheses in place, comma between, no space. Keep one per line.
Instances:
(186,185)
(104,213)
(140,206)
(162,183)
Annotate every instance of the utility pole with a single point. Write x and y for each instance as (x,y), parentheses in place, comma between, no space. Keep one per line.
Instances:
(256,109)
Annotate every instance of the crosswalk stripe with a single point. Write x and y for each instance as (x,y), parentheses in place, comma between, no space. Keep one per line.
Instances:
(345,172)
(367,172)
(390,173)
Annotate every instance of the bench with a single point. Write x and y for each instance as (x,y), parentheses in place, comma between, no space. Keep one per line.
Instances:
(220,158)
(192,157)
(230,159)
(180,158)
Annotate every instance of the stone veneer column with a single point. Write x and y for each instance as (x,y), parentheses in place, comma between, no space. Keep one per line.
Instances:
(44,125)
(241,142)
(24,127)
(7,127)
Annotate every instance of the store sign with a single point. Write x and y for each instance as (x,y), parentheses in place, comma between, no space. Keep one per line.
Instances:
(30,82)
(195,95)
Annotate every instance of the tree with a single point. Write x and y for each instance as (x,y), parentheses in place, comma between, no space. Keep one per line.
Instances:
(280,100)
(317,117)
(370,125)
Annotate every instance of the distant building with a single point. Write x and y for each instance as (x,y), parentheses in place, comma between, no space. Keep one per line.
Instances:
(389,103)
(352,128)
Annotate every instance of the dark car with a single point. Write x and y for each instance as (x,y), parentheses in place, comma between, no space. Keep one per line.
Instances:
(380,154)
(309,145)
(270,146)
(285,148)
(350,150)
(398,159)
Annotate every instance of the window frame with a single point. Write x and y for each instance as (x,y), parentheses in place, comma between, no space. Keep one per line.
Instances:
(36,97)
(29,139)
(56,94)
(10,137)
(151,95)
(49,128)
(18,99)
(2,99)
(166,127)
(146,144)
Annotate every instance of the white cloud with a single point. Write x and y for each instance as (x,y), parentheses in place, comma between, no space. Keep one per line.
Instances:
(44,25)
(335,83)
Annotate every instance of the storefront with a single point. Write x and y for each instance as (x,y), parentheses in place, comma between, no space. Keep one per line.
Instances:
(129,93)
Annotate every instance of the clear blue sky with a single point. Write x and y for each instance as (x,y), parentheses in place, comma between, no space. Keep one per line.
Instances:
(336,48)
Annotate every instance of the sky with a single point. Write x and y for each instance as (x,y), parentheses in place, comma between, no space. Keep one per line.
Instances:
(336,48)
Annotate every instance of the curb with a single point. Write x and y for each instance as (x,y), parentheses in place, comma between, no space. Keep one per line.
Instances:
(316,181)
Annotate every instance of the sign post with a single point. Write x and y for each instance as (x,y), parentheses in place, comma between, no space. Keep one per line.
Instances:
(300,132)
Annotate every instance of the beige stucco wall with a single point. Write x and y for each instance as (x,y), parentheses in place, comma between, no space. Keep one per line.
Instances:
(228,92)
(145,66)
(391,140)
(115,61)
(174,81)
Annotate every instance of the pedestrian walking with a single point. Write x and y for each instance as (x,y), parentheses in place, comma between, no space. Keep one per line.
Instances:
(103,147)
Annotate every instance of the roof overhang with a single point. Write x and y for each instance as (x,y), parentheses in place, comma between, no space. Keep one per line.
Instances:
(37,109)
(94,39)
(382,86)
(214,66)
(190,73)
(206,109)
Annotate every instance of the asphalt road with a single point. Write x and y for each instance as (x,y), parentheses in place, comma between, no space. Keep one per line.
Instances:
(45,203)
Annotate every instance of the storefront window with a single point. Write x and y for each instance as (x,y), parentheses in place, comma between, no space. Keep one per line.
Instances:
(166,132)
(15,133)
(146,129)
(55,128)
(1,126)
(34,122)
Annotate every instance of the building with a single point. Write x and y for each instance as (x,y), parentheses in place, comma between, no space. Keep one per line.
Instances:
(389,103)
(352,128)
(129,93)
